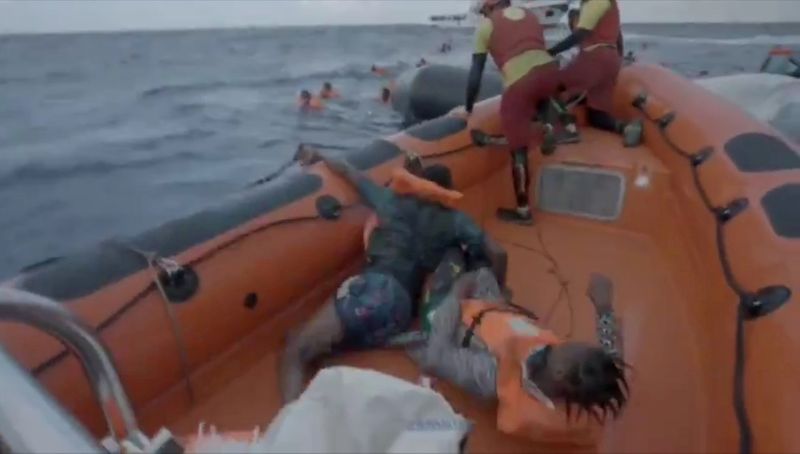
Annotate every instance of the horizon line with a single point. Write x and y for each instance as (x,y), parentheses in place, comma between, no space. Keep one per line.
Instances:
(265,27)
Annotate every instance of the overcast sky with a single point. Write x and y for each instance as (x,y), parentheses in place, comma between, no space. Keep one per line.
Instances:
(25,16)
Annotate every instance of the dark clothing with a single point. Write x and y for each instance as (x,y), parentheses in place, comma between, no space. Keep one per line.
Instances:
(603,120)
(372,307)
(594,72)
(521,100)
(412,235)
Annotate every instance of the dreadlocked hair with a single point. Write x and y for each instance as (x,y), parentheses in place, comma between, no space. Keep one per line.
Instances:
(597,386)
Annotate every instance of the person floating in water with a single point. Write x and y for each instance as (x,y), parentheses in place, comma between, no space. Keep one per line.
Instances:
(308,102)
(378,71)
(515,39)
(386,95)
(422,62)
(495,350)
(595,69)
(328,92)
(412,234)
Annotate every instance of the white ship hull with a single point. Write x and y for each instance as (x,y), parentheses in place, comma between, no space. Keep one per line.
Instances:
(550,14)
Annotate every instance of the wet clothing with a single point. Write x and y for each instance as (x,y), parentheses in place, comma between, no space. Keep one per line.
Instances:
(412,236)
(515,40)
(372,308)
(409,241)
(486,358)
(521,100)
(594,72)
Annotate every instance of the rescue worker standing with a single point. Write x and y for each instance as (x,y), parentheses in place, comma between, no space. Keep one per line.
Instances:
(596,68)
(515,39)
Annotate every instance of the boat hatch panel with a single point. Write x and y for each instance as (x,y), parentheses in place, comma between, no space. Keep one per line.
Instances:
(581,191)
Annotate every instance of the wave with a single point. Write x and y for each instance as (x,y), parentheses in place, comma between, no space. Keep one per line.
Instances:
(111,159)
(758,39)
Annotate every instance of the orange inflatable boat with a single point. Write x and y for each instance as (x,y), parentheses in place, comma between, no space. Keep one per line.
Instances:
(698,228)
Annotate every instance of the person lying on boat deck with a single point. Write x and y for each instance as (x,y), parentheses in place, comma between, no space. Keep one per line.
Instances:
(494,350)
(328,92)
(597,65)
(378,303)
(515,39)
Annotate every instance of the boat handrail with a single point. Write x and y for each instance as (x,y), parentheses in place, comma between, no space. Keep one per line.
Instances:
(28,413)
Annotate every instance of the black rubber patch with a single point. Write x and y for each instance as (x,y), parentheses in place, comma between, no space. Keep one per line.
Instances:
(757,152)
(702,156)
(733,209)
(766,301)
(78,275)
(437,129)
(374,154)
(181,286)
(329,207)
(782,206)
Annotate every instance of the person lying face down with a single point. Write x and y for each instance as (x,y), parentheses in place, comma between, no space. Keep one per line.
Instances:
(408,242)
(494,350)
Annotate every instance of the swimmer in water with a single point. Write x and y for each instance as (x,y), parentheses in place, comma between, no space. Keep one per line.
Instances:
(328,92)
(386,95)
(308,102)
(378,71)
(422,62)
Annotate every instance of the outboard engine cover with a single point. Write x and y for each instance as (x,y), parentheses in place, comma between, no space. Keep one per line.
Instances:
(431,91)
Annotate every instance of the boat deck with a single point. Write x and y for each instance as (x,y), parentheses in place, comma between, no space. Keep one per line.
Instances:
(549,268)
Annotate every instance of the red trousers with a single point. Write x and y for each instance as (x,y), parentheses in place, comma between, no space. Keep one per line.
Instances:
(520,101)
(594,72)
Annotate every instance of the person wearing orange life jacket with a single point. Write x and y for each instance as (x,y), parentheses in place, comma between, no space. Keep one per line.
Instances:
(328,92)
(495,351)
(514,38)
(595,69)
(377,304)
(306,102)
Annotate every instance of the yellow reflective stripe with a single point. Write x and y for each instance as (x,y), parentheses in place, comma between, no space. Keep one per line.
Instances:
(592,12)
(482,36)
(519,66)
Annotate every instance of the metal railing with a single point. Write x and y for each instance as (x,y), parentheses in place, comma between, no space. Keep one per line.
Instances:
(30,419)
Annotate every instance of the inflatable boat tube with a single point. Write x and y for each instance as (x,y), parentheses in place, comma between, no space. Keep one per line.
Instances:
(431,91)
(697,228)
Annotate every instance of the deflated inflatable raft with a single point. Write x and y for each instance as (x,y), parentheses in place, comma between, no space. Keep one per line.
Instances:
(698,228)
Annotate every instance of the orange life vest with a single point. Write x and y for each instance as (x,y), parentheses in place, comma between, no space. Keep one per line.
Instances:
(329,94)
(314,104)
(607,31)
(404,183)
(513,37)
(511,337)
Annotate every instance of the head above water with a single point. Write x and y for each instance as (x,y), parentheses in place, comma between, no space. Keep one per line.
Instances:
(582,376)
(438,174)
(385,94)
(305,95)
(327,86)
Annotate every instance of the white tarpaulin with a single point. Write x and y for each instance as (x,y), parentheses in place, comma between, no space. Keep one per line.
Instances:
(349,410)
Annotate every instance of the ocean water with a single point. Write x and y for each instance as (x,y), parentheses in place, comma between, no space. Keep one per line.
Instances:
(107,135)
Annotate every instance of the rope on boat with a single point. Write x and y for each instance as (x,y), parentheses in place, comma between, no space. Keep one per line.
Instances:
(170,267)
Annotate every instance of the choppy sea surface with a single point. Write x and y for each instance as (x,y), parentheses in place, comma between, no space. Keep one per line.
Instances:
(107,135)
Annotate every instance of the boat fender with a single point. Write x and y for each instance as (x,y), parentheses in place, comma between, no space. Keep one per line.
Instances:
(180,285)
(329,207)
